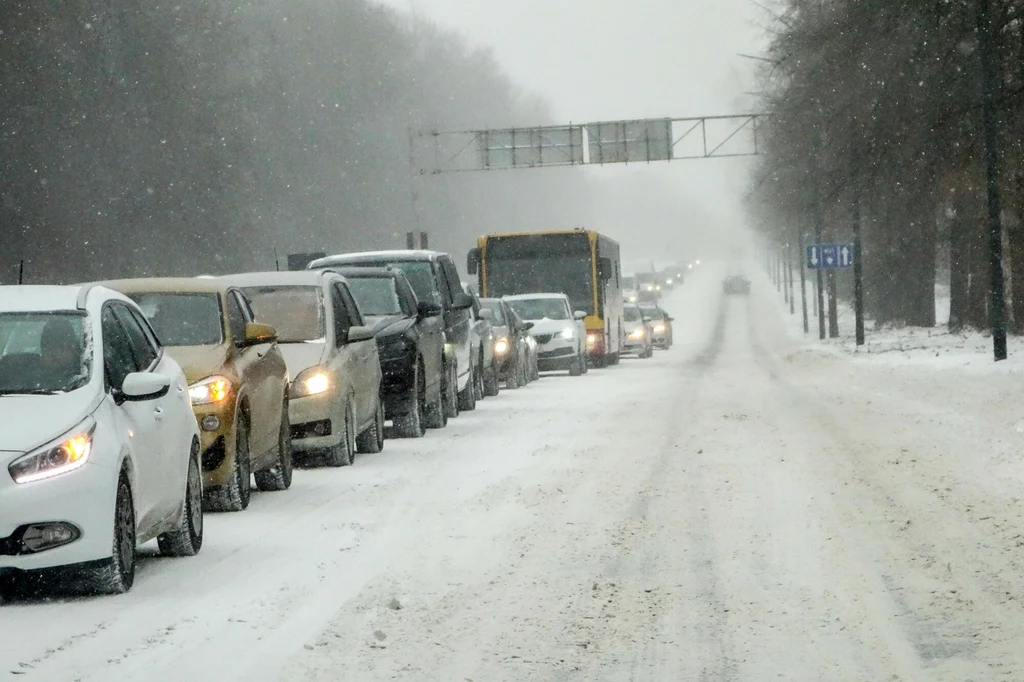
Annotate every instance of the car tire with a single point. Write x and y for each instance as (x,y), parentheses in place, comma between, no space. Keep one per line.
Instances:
(613,358)
(575,368)
(515,378)
(585,363)
(478,381)
(343,454)
(491,385)
(234,497)
(467,396)
(450,391)
(371,441)
(534,369)
(279,476)
(187,539)
(413,424)
(116,575)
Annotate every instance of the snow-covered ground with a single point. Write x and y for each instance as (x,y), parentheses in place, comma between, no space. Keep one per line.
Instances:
(746,506)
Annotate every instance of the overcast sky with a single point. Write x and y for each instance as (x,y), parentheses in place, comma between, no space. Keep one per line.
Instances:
(609,59)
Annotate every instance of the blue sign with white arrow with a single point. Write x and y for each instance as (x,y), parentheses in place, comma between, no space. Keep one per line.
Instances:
(829,256)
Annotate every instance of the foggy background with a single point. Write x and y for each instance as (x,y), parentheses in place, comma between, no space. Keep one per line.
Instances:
(203,138)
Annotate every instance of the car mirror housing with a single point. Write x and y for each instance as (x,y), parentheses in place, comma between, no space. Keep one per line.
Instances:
(461,301)
(528,326)
(357,334)
(256,334)
(579,315)
(142,386)
(486,314)
(427,309)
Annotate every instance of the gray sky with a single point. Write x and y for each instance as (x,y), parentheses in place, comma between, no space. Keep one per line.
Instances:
(610,59)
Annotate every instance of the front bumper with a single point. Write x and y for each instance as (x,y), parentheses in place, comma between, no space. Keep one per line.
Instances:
(314,421)
(637,346)
(549,360)
(217,445)
(83,498)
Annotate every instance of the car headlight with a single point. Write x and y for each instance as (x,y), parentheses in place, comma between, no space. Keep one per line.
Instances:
(659,328)
(501,346)
(67,453)
(668,281)
(637,333)
(310,381)
(568,333)
(211,390)
(591,339)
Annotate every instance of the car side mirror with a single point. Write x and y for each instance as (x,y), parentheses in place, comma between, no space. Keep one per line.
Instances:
(486,314)
(256,334)
(461,301)
(648,319)
(579,315)
(139,387)
(357,334)
(669,319)
(426,309)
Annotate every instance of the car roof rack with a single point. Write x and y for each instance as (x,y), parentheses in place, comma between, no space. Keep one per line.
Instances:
(83,293)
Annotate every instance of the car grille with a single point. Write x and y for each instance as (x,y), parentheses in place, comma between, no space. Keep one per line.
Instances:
(543,338)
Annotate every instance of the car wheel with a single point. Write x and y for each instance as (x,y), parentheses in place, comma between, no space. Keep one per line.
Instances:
(234,497)
(279,476)
(413,424)
(450,391)
(584,362)
(371,441)
(478,381)
(534,369)
(116,575)
(575,369)
(467,396)
(514,377)
(187,539)
(491,385)
(342,454)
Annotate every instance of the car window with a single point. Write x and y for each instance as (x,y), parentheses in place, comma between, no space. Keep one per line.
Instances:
(342,316)
(375,295)
(236,319)
(145,352)
(451,275)
(243,302)
(354,315)
(540,308)
(118,357)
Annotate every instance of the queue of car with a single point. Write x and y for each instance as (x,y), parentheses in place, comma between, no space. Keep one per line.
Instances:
(155,400)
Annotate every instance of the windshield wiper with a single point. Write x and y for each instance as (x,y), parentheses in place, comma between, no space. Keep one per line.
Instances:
(27,391)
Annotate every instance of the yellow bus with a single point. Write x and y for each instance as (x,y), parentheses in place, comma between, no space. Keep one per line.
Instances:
(581,264)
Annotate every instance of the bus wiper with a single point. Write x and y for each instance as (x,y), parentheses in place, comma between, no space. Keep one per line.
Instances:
(27,391)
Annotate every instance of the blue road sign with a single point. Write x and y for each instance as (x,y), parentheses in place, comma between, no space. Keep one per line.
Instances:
(829,256)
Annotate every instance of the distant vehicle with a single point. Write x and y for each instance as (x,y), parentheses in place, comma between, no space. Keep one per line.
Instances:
(672,276)
(532,347)
(648,287)
(410,342)
(639,339)
(736,284)
(238,381)
(486,372)
(582,264)
(434,278)
(98,443)
(334,401)
(558,330)
(511,349)
(661,325)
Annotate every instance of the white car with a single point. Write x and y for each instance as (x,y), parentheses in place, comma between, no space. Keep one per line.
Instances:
(559,331)
(99,448)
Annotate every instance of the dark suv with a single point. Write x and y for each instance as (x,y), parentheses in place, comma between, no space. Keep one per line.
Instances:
(410,342)
(435,279)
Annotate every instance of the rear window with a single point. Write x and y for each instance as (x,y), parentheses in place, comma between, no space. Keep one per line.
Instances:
(183,319)
(295,312)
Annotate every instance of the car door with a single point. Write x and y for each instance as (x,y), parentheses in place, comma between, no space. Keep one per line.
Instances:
(366,379)
(344,363)
(253,377)
(266,370)
(148,450)
(458,322)
(431,338)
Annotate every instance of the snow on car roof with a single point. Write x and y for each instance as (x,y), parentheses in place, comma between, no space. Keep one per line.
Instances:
(310,278)
(394,255)
(525,297)
(32,297)
(185,285)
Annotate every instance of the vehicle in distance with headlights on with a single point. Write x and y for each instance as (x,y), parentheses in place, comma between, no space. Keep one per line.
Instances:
(334,403)
(237,378)
(661,325)
(736,285)
(511,351)
(98,445)
(559,331)
(483,337)
(410,342)
(637,328)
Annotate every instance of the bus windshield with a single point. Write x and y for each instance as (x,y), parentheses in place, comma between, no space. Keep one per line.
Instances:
(555,263)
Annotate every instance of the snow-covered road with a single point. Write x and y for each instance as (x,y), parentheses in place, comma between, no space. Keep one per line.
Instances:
(739,508)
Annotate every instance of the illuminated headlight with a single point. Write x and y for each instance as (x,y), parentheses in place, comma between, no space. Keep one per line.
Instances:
(637,333)
(650,287)
(66,454)
(591,339)
(568,333)
(209,391)
(659,328)
(658,288)
(501,346)
(668,281)
(311,381)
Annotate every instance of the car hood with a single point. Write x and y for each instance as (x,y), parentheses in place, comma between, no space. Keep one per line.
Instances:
(199,362)
(500,331)
(386,325)
(631,326)
(300,356)
(28,421)
(546,326)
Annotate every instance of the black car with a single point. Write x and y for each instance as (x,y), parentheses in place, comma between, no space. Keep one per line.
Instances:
(736,284)
(435,279)
(410,343)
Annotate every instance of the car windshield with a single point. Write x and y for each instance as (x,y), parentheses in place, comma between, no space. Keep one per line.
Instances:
(296,312)
(631,313)
(653,313)
(540,308)
(183,319)
(375,296)
(44,352)
(420,274)
(496,310)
